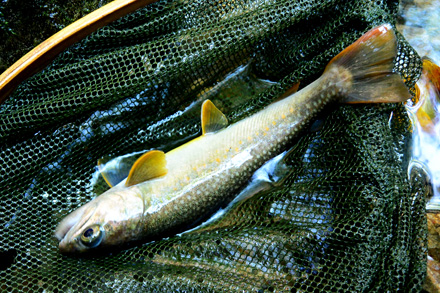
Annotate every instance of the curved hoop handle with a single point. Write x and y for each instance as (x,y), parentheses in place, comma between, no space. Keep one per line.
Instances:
(39,57)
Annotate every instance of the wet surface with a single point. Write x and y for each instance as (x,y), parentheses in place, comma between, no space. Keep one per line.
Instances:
(421,27)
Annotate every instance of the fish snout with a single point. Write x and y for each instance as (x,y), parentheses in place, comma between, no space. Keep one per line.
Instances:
(64,227)
(66,246)
(67,228)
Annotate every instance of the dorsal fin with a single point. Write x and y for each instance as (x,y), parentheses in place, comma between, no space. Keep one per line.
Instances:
(150,165)
(212,118)
(113,171)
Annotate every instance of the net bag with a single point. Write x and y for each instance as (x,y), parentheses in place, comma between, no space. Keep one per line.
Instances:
(347,216)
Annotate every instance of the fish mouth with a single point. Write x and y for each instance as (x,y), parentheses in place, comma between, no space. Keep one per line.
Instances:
(68,227)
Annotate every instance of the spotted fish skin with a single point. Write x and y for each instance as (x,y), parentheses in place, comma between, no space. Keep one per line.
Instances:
(164,193)
(207,172)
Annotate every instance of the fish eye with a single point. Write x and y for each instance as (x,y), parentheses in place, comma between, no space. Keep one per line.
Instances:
(92,235)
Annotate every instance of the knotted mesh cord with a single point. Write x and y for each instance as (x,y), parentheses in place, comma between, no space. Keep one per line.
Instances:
(345,218)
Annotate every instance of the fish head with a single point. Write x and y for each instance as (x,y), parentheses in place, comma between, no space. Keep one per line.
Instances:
(111,219)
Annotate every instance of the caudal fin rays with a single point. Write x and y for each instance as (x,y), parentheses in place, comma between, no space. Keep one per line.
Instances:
(212,118)
(370,61)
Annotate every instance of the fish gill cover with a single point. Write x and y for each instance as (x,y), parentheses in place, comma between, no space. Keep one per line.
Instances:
(346,217)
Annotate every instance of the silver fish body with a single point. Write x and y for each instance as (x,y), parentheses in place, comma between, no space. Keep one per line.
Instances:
(208,171)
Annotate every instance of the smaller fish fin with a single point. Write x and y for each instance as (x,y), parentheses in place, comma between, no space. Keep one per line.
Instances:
(293,89)
(113,171)
(370,62)
(150,165)
(212,118)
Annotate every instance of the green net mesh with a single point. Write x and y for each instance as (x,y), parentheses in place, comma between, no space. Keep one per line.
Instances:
(346,218)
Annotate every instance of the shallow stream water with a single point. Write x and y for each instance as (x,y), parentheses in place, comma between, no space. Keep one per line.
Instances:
(421,27)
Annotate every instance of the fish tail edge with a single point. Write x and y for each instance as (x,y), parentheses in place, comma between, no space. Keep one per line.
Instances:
(370,62)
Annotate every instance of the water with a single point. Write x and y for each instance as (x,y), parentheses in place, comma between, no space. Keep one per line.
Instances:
(425,117)
(421,28)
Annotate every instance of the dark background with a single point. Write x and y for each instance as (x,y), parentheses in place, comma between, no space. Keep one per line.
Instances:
(24,24)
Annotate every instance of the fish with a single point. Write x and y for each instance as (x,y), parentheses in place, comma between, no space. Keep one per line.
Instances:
(164,193)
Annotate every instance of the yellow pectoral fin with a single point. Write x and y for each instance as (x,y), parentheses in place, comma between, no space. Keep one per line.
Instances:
(150,165)
(212,118)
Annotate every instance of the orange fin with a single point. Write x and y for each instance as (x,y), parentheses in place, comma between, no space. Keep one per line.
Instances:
(431,72)
(428,95)
(370,62)
(212,118)
(289,92)
(150,165)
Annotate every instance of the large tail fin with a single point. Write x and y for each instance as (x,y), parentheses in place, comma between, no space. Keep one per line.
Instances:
(370,60)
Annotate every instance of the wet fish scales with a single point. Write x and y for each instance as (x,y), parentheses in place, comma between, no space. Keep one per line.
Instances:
(165,192)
